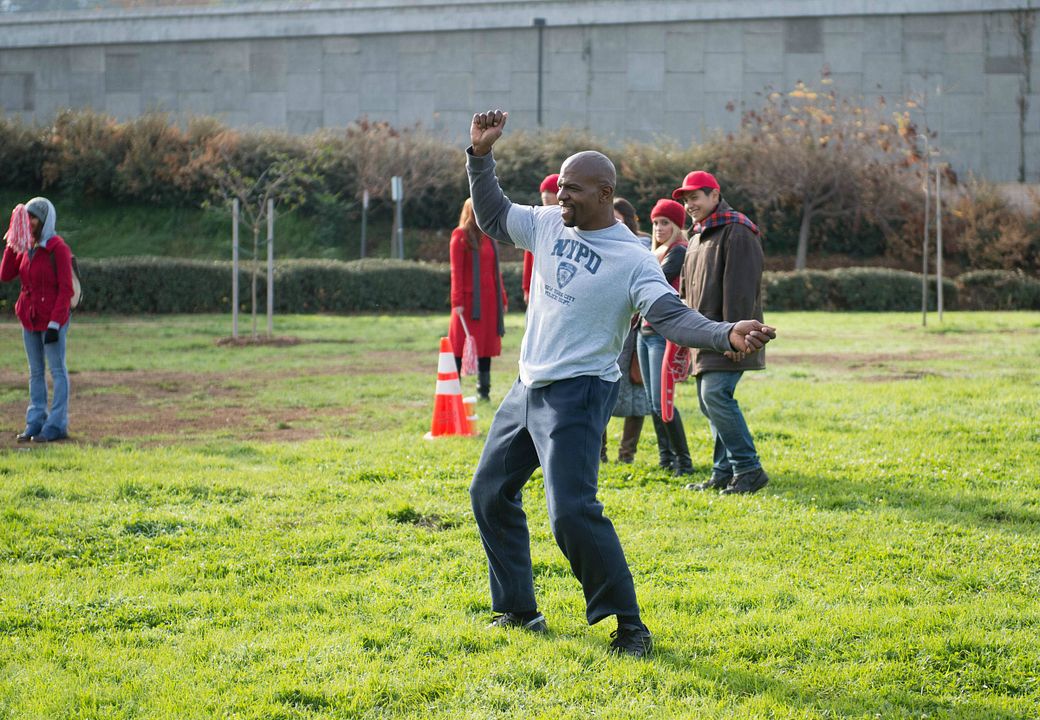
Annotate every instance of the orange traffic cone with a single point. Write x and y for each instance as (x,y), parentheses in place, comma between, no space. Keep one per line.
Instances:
(449,413)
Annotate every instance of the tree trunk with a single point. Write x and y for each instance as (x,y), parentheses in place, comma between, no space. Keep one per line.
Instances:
(256,266)
(803,237)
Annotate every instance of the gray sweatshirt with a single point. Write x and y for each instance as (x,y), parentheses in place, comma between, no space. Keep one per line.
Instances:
(585,287)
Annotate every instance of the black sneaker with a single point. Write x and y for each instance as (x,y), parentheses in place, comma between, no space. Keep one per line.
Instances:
(746,483)
(512,620)
(715,482)
(634,640)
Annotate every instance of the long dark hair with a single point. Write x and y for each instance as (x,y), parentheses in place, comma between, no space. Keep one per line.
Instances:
(628,214)
(468,222)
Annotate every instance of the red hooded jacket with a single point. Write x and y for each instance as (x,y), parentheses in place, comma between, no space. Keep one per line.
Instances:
(45,294)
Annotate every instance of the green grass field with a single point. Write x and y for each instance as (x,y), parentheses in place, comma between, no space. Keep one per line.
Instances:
(262,532)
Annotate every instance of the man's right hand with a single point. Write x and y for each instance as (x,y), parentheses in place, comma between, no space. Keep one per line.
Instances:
(486,129)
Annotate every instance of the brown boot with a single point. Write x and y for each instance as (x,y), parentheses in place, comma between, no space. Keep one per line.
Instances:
(630,439)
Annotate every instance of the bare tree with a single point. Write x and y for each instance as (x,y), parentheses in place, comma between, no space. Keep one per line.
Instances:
(827,156)
(367,154)
(283,180)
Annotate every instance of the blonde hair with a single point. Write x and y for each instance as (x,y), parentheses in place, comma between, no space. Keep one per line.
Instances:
(672,237)
(468,222)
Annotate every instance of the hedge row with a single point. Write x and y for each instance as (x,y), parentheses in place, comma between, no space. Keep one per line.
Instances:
(146,285)
(153,285)
(871,289)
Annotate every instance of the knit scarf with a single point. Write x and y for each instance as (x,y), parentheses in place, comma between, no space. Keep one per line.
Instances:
(725,217)
(498,285)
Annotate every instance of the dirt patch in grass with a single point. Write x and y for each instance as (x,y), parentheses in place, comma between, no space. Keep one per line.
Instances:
(161,408)
(259,341)
(879,366)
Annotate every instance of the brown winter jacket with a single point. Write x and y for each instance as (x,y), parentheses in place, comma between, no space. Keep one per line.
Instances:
(722,279)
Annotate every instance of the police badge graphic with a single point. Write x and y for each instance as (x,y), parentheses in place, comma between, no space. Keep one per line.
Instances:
(565,273)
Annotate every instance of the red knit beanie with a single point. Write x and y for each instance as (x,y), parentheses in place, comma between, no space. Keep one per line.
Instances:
(671,210)
(551,183)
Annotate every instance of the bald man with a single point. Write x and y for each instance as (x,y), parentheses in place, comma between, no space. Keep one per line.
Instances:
(593,274)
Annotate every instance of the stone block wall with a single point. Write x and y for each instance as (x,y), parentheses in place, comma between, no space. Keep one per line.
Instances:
(626,75)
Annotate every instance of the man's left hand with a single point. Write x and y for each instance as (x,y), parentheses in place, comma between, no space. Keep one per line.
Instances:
(748,336)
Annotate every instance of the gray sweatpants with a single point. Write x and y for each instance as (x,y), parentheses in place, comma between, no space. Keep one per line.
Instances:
(557,427)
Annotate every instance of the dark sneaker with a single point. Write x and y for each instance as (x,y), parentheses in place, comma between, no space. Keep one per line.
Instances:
(749,482)
(634,640)
(715,482)
(45,437)
(512,620)
(24,436)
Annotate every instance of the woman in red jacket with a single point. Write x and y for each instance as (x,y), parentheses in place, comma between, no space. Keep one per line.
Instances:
(45,269)
(483,303)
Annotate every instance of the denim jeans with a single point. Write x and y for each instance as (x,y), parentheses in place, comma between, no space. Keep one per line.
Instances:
(37,420)
(651,353)
(557,427)
(734,448)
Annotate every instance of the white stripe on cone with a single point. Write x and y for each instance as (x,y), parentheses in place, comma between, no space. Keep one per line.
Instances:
(446,364)
(449,387)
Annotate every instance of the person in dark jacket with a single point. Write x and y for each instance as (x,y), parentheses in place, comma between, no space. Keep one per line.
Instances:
(478,296)
(45,270)
(632,403)
(722,279)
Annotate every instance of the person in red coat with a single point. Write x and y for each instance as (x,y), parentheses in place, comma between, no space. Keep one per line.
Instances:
(549,187)
(44,266)
(483,303)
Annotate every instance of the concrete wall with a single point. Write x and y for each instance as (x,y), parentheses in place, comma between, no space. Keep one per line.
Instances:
(623,70)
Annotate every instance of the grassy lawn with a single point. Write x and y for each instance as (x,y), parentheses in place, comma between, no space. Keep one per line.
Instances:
(261,532)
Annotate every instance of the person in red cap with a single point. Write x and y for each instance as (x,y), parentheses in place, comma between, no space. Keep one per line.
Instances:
(722,279)
(669,247)
(549,187)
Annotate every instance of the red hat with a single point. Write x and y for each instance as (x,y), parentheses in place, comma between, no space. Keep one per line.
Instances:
(551,183)
(697,180)
(671,210)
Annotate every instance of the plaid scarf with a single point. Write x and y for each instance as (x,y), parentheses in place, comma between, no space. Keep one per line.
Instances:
(725,217)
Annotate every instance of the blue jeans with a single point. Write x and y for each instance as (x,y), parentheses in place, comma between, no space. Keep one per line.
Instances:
(734,448)
(651,353)
(38,421)
(557,427)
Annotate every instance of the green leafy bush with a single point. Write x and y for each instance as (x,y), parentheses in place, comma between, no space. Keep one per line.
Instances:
(804,290)
(82,151)
(845,289)
(151,285)
(869,213)
(999,290)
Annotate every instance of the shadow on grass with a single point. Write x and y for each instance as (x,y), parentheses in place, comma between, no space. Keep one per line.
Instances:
(892,702)
(926,502)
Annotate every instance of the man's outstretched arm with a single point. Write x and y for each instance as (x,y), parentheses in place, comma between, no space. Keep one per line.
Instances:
(689,328)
